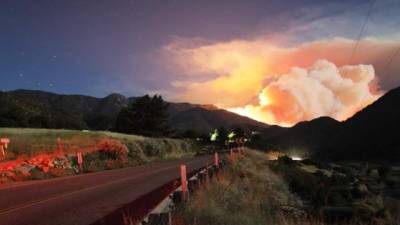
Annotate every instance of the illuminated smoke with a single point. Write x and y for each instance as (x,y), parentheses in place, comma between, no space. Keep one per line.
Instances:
(305,94)
(292,83)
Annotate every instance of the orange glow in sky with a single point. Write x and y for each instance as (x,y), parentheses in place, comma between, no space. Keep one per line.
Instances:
(274,84)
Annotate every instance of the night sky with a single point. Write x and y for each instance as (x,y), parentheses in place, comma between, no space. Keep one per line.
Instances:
(98,47)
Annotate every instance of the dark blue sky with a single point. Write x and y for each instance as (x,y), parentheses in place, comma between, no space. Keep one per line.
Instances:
(97,47)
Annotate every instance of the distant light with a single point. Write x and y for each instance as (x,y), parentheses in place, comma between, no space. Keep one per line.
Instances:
(296,158)
(231,135)
(214,135)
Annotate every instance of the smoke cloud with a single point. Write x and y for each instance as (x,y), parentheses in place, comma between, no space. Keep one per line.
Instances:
(305,94)
(280,85)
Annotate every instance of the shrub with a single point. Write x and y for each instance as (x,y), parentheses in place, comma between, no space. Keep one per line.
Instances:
(113,164)
(57,172)
(113,149)
(286,160)
(383,171)
(37,174)
(96,165)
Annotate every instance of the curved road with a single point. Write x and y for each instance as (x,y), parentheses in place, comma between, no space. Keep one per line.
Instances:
(84,199)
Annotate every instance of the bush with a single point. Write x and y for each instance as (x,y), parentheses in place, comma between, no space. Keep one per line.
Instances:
(150,150)
(112,149)
(37,174)
(57,172)
(383,171)
(113,164)
(286,160)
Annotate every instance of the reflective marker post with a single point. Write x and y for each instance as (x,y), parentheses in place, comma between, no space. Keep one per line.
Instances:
(216,161)
(80,161)
(184,182)
(5,142)
(3,147)
(59,146)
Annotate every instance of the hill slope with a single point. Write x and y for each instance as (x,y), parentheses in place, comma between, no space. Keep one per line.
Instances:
(304,136)
(26,108)
(370,134)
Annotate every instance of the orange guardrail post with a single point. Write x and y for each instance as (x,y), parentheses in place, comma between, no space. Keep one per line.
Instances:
(3,147)
(5,142)
(59,146)
(184,182)
(216,160)
(80,160)
(2,152)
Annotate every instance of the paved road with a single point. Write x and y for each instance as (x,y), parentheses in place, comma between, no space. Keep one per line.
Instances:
(83,199)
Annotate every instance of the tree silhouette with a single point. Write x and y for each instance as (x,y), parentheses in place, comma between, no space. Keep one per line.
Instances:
(222,135)
(146,116)
(239,132)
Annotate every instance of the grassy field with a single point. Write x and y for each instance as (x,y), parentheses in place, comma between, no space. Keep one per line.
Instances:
(248,192)
(26,142)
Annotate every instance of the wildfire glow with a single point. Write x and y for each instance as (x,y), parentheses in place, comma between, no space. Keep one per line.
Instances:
(305,94)
(292,84)
(264,98)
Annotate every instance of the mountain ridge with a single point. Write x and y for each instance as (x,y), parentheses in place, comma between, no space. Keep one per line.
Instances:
(88,112)
(369,134)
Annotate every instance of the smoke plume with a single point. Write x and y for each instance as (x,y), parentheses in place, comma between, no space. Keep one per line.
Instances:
(283,85)
(305,94)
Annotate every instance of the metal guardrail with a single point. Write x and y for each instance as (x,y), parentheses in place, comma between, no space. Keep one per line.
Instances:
(134,212)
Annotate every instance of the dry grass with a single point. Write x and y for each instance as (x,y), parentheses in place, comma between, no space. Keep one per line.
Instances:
(27,142)
(247,192)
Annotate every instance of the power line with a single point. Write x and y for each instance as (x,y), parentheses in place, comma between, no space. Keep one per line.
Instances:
(391,59)
(371,5)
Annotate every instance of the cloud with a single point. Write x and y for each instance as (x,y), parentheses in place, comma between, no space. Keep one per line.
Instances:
(305,94)
(237,74)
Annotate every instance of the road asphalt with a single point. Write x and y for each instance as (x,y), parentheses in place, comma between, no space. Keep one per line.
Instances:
(84,199)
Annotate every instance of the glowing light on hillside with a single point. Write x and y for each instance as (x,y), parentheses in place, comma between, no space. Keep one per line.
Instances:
(231,135)
(296,158)
(214,135)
